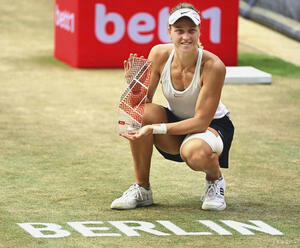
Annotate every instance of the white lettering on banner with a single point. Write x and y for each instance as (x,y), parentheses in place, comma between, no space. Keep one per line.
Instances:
(143,22)
(102,19)
(163,18)
(135,228)
(214,14)
(134,28)
(64,19)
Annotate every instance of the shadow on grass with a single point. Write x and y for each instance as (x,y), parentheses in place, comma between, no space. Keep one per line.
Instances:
(236,209)
(273,65)
(49,60)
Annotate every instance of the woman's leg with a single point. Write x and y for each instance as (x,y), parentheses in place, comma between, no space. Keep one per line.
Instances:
(199,156)
(142,149)
(201,153)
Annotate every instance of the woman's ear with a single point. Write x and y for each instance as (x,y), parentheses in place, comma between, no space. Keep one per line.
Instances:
(169,31)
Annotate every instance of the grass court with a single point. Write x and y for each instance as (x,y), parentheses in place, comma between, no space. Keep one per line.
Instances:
(62,161)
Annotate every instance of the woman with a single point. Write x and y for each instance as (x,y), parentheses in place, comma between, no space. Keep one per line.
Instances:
(195,128)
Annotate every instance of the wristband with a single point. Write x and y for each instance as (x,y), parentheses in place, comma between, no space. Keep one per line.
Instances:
(160,129)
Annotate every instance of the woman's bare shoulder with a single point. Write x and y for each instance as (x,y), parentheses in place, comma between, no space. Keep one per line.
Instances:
(212,62)
(161,52)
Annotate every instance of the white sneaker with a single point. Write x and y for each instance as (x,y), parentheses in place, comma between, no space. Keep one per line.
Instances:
(135,196)
(214,198)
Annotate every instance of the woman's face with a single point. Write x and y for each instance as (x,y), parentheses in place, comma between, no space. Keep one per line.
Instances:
(184,34)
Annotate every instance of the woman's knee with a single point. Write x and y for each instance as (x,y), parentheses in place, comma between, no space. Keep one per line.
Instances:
(198,155)
(154,113)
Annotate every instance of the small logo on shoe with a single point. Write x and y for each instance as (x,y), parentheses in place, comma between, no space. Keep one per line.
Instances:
(222,191)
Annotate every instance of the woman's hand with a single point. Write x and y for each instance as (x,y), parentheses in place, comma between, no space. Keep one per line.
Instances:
(128,64)
(142,132)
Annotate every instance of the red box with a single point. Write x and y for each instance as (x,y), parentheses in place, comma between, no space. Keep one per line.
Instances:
(102,33)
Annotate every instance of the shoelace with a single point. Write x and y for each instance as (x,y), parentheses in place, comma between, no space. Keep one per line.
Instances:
(135,191)
(210,191)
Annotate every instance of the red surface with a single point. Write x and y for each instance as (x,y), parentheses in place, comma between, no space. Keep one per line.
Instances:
(105,32)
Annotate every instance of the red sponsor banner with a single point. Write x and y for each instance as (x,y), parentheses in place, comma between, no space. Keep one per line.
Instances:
(102,33)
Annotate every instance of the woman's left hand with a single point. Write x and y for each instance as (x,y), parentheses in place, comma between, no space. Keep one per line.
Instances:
(142,132)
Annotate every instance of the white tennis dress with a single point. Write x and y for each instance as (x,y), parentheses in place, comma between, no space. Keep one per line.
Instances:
(182,103)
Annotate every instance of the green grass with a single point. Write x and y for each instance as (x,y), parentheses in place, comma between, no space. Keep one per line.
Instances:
(273,65)
(61,159)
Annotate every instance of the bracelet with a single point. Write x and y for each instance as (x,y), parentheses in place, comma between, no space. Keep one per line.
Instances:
(160,129)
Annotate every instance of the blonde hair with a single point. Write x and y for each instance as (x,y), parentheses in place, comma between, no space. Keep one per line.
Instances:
(189,6)
(183,6)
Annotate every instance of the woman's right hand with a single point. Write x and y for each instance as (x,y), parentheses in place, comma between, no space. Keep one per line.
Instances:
(128,64)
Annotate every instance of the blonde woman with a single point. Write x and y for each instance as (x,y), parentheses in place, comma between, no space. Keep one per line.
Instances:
(195,127)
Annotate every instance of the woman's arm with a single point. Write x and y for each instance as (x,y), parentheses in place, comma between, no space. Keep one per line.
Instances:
(212,80)
(213,76)
(158,55)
